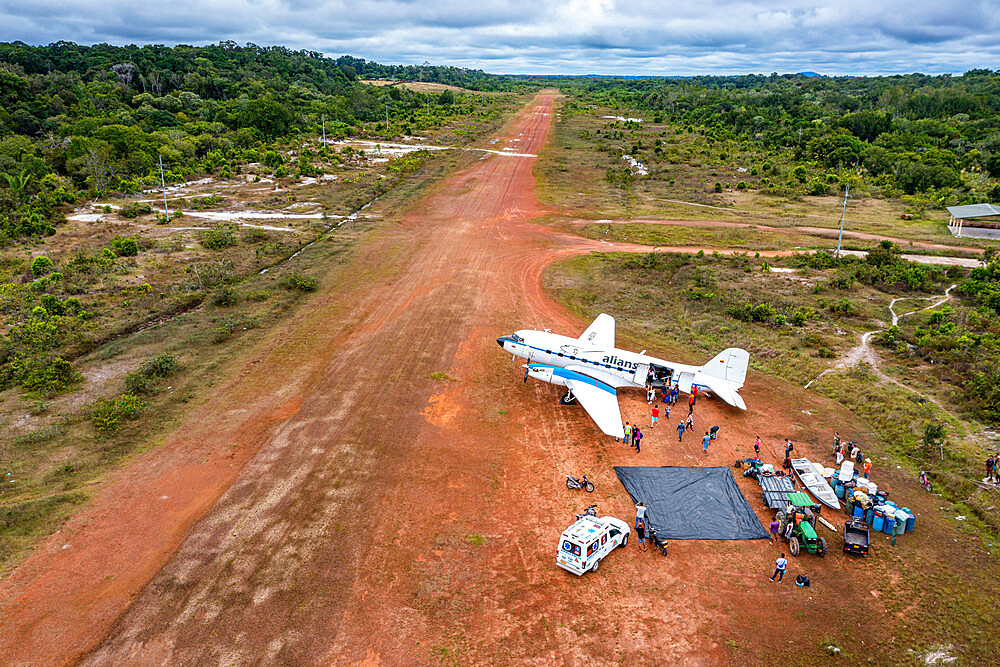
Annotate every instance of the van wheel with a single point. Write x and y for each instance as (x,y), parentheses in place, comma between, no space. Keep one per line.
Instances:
(597,564)
(624,541)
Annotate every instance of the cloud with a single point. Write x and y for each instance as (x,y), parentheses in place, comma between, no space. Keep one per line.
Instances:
(556,37)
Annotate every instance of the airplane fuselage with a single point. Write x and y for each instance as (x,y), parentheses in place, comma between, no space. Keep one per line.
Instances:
(622,367)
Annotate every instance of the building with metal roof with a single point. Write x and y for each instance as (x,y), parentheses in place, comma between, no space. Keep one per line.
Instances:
(975,220)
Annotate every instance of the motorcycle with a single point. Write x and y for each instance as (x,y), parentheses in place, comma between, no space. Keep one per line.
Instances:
(590,511)
(659,543)
(582,483)
(925,481)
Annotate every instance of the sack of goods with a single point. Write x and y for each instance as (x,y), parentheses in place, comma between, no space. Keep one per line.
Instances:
(801,580)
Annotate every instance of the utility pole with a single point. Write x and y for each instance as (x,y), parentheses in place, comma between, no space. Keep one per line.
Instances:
(843,214)
(324,130)
(163,184)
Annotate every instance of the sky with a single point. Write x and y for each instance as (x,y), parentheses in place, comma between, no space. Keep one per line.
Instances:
(668,37)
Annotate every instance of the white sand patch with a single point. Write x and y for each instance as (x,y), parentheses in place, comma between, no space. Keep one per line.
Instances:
(781,269)
(623,119)
(86,217)
(233,216)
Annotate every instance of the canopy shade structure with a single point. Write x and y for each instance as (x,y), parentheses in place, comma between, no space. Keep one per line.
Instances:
(975,220)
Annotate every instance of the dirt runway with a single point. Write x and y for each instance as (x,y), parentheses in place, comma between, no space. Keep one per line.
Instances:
(335,503)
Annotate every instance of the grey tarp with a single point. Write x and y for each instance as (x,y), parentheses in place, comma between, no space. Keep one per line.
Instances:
(692,503)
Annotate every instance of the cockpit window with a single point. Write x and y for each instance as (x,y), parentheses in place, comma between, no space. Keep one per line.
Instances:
(516,338)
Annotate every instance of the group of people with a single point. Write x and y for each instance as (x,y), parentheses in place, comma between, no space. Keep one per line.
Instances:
(851,452)
(633,436)
(993,468)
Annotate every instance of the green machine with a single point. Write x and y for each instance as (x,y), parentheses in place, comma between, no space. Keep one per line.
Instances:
(802,511)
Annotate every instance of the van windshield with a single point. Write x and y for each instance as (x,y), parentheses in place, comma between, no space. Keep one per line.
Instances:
(572,548)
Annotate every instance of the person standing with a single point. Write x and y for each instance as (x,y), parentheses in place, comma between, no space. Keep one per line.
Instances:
(789,529)
(680,431)
(839,451)
(694,393)
(788,448)
(691,404)
(756,447)
(628,431)
(714,432)
(991,464)
(656,416)
(689,423)
(704,442)
(868,467)
(640,531)
(836,442)
(636,437)
(859,458)
(673,394)
(666,394)
(850,450)
(779,568)
(774,529)
(650,396)
(640,513)
(666,412)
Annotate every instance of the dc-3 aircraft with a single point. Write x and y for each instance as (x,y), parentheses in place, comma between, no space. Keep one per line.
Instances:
(592,369)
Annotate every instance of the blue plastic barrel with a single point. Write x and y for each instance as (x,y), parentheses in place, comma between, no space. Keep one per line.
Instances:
(878,520)
(911,519)
(890,503)
(890,523)
(839,489)
(869,515)
(859,512)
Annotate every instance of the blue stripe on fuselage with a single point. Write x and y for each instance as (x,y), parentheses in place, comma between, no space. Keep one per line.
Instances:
(573,375)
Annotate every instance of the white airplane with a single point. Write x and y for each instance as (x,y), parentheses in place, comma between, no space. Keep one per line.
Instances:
(592,369)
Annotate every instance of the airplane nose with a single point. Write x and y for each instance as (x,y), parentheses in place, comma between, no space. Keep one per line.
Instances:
(500,342)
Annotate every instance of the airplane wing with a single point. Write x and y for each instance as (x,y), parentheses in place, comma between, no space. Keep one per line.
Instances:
(601,403)
(600,335)
(615,381)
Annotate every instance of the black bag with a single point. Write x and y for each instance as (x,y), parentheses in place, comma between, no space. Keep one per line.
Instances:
(802,580)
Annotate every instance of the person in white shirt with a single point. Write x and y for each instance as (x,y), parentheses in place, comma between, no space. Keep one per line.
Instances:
(780,566)
(640,513)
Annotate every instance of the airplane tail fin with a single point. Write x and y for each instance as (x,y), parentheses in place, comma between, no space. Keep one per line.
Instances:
(725,374)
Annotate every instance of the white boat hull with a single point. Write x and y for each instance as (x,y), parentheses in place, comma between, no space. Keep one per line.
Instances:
(812,479)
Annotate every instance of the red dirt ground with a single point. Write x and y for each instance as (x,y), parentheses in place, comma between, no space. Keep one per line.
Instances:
(335,504)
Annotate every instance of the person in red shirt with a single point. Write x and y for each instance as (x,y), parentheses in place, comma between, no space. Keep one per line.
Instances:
(868,467)
(691,404)
(656,416)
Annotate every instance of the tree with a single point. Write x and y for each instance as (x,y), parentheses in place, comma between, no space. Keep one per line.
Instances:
(270,117)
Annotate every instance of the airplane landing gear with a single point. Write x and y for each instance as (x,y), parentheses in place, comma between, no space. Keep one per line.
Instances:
(567,399)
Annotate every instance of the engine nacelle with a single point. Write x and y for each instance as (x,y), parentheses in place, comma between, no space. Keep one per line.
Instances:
(545,374)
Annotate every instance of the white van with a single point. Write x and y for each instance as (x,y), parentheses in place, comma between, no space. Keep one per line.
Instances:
(584,545)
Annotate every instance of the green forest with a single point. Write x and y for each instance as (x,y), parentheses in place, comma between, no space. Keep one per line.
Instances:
(81,121)
(937,137)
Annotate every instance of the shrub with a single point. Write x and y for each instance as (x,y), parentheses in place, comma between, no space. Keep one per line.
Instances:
(299,282)
(225,328)
(144,380)
(107,414)
(125,246)
(41,265)
(742,185)
(226,296)
(134,209)
(218,239)
(717,187)
(843,307)
(750,312)
(826,353)
(52,378)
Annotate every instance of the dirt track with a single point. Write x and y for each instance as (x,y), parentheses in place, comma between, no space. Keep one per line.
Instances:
(329,503)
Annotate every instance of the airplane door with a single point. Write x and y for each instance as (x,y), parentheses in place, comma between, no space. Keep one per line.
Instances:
(684,381)
(641,374)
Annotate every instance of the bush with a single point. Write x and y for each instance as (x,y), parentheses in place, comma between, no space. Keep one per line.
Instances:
(218,239)
(742,185)
(107,414)
(41,265)
(299,282)
(717,187)
(144,380)
(226,296)
(125,246)
(844,307)
(51,378)
(134,209)
(750,312)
